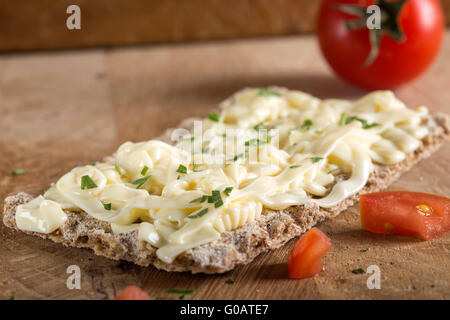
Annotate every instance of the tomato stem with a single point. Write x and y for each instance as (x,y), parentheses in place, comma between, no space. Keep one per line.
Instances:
(389,23)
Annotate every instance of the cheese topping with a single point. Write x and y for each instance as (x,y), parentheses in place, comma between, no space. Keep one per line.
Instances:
(271,148)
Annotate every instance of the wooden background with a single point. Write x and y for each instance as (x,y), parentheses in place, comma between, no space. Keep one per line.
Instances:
(41,24)
(62,109)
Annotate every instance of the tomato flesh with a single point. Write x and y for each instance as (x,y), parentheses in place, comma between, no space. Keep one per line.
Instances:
(305,260)
(422,215)
(132,293)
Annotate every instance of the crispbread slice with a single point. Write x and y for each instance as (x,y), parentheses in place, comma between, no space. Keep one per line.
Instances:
(272,230)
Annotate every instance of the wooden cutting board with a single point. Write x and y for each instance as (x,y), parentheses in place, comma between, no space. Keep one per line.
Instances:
(59,110)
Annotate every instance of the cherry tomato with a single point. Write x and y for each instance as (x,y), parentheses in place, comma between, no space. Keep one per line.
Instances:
(425,216)
(305,260)
(409,40)
(132,293)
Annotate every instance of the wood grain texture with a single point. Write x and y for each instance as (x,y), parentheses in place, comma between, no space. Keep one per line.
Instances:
(41,24)
(58,110)
(26,25)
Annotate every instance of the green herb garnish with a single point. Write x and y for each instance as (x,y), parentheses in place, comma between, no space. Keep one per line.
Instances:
(333,170)
(213,117)
(194,166)
(368,126)
(140,182)
(259,126)
(205,149)
(216,229)
(254,142)
(238,156)
(184,293)
(107,206)
(307,124)
(229,281)
(267,92)
(363,250)
(92,164)
(144,171)
(87,183)
(182,169)
(358,271)
(365,124)
(200,199)
(199,214)
(228,190)
(342,119)
(295,166)
(316,159)
(116,167)
(189,139)
(18,171)
(215,198)
(12,297)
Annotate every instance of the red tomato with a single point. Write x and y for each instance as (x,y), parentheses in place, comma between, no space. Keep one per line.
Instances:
(422,25)
(132,293)
(402,212)
(305,259)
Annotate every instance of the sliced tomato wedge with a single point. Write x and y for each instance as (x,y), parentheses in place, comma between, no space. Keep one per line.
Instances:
(132,293)
(422,215)
(305,260)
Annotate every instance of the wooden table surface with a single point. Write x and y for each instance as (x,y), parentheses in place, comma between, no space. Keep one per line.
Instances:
(62,109)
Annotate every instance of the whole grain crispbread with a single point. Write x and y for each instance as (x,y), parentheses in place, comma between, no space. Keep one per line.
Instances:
(272,230)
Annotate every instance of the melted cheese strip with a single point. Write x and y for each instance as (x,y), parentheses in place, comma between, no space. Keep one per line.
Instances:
(269,149)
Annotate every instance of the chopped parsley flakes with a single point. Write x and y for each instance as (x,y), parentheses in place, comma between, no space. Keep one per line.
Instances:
(316,159)
(144,171)
(215,198)
(333,170)
(87,183)
(200,199)
(346,120)
(267,92)
(358,271)
(307,124)
(18,171)
(254,142)
(228,190)
(199,214)
(182,169)
(140,182)
(184,292)
(213,117)
(259,126)
(107,206)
